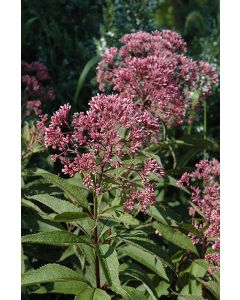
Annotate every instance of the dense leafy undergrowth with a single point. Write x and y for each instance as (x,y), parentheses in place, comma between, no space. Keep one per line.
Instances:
(122,201)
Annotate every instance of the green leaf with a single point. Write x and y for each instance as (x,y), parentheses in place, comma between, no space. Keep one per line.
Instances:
(26,133)
(24,260)
(176,237)
(126,219)
(169,180)
(63,287)
(26,27)
(148,246)
(147,259)
(93,294)
(199,267)
(57,205)
(33,206)
(131,293)
(188,278)
(67,253)
(154,212)
(87,226)
(189,297)
(137,274)
(92,62)
(217,276)
(73,192)
(49,273)
(212,286)
(77,180)
(55,238)
(200,143)
(162,288)
(133,162)
(71,217)
(191,228)
(186,157)
(110,265)
(163,214)
(89,255)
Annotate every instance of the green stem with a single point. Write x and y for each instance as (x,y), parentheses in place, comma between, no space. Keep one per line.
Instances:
(165,138)
(205,125)
(189,129)
(173,156)
(164,130)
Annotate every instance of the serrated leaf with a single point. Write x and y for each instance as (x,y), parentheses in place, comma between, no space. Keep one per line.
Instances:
(33,206)
(55,238)
(176,237)
(148,246)
(146,259)
(217,276)
(134,161)
(57,205)
(154,212)
(93,294)
(191,229)
(26,133)
(199,267)
(49,273)
(189,297)
(110,265)
(71,217)
(127,219)
(77,180)
(74,192)
(162,288)
(131,293)
(63,287)
(135,273)
(164,215)
(212,286)
(116,171)
(67,253)
(89,254)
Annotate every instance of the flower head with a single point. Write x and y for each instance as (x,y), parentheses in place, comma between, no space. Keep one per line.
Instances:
(152,69)
(104,139)
(205,187)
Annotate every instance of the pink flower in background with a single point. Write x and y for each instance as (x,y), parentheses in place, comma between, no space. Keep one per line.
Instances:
(104,139)
(34,106)
(205,187)
(35,85)
(152,69)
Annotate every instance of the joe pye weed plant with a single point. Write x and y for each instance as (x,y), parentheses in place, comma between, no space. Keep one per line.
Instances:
(112,208)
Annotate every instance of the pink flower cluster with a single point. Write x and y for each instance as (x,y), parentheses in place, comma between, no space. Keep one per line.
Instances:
(151,166)
(205,187)
(144,198)
(35,84)
(152,69)
(104,139)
